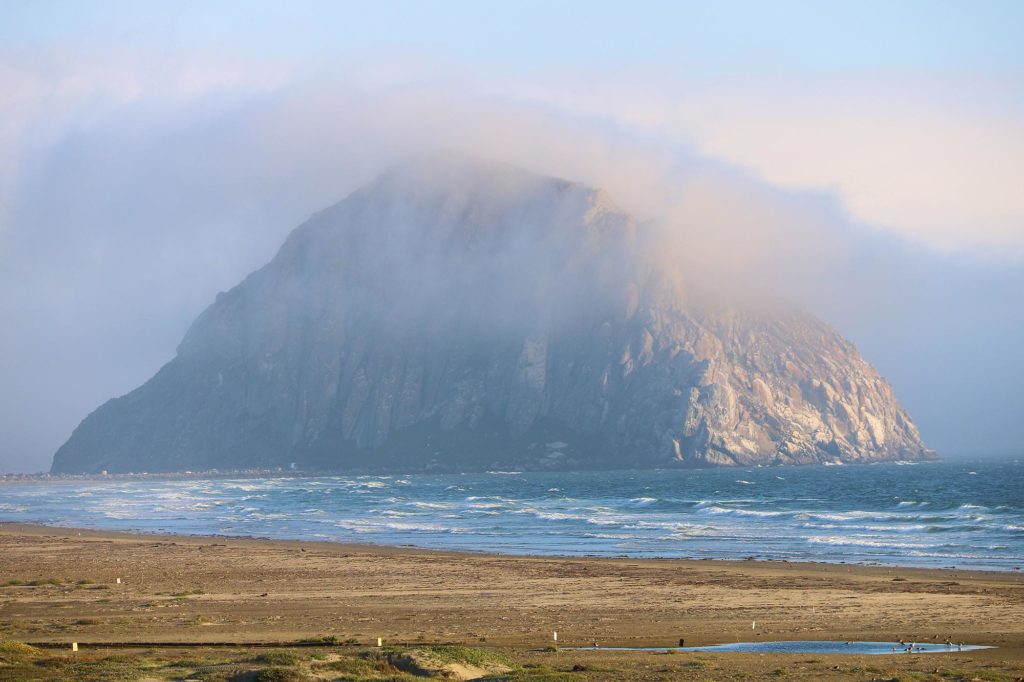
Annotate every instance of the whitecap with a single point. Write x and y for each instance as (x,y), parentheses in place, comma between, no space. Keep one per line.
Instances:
(431,505)
(850,540)
(745,512)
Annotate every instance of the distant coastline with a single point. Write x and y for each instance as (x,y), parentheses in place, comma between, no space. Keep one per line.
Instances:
(284,472)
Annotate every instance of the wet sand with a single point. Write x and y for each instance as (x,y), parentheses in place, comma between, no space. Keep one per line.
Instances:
(199,589)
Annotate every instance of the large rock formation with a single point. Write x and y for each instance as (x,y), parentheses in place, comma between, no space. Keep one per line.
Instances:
(457,314)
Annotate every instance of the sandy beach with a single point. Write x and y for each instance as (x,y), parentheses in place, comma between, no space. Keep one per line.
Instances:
(191,590)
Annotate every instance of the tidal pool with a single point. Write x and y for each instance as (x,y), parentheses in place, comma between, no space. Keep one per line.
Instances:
(803,647)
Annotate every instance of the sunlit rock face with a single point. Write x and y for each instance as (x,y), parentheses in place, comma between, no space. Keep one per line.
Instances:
(457,314)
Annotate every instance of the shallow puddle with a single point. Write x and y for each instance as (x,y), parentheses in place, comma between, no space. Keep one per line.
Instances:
(804,647)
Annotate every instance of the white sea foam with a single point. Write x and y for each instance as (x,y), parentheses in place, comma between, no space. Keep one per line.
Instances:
(639,514)
(746,512)
(431,505)
(851,540)
(847,516)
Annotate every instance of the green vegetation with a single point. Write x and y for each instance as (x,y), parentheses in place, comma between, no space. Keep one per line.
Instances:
(278,675)
(38,582)
(369,666)
(279,658)
(477,656)
(16,652)
(539,673)
(120,668)
(186,593)
(20,661)
(325,639)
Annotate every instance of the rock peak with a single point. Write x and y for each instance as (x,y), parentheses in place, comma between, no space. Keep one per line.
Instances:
(462,314)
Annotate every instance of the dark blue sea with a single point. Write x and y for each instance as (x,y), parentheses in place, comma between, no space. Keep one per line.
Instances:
(967,514)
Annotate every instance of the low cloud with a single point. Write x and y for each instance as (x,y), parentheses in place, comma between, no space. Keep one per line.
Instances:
(937,161)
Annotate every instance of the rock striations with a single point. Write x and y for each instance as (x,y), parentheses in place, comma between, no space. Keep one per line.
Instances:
(464,315)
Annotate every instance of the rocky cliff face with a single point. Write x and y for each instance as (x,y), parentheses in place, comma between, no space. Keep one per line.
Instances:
(466,315)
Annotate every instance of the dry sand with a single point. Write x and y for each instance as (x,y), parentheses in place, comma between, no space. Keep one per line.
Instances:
(202,589)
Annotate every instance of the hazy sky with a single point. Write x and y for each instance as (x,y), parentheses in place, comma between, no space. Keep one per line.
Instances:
(865,159)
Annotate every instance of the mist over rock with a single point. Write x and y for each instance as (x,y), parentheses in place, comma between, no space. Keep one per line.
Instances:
(457,314)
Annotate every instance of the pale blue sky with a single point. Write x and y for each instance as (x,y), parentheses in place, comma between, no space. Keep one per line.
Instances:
(709,38)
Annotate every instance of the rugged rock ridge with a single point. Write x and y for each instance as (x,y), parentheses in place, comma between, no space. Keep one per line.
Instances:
(459,314)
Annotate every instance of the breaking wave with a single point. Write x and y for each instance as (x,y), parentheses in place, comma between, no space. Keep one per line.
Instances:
(938,517)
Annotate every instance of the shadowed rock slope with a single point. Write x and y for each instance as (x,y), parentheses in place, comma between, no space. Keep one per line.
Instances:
(465,315)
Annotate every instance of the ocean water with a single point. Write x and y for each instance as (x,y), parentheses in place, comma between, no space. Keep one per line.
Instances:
(940,514)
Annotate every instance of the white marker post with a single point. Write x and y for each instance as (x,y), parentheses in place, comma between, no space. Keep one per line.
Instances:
(74,646)
(380,641)
(554,636)
(753,625)
(118,581)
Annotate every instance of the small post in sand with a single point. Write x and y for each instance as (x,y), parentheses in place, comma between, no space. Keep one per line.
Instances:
(554,636)
(380,641)
(118,581)
(753,625)
(74,646)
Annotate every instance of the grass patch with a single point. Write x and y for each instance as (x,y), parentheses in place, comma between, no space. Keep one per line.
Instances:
(39,582)
(190,663)
(187,593)
(348,666)
(590,668)
(108,669)
(326,639)
(278,675)
(16,652)
(983,675)
(279,658)
(477,656)
(370,666)
(541,674)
